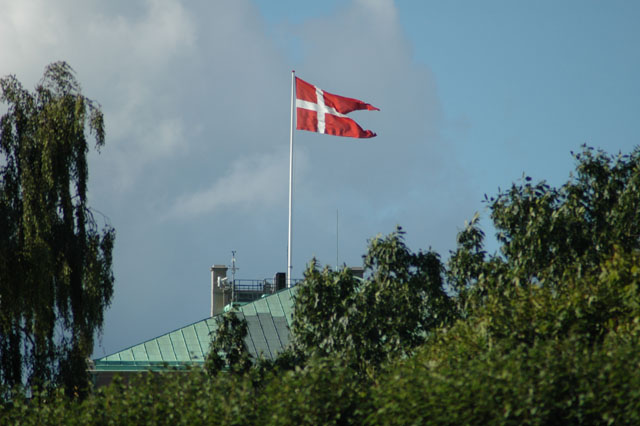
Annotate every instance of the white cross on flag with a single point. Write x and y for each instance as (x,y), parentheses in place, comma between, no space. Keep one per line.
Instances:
(324,112)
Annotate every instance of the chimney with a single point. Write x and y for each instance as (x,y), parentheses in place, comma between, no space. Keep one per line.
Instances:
(218,272)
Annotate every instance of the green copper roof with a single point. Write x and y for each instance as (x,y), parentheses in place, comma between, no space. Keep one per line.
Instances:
(268,321)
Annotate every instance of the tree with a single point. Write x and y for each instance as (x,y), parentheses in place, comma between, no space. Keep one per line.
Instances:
(372,320)
(557,244)
(549,327)
(547,232)
(228,349)
(581,221)
(55,264)
(539,340)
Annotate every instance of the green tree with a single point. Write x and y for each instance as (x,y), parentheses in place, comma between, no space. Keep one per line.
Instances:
(546,233)
(568,356)
(543,229)
(372,320)
(228,349)
(548,330)
(55,264)
(539,340)
(554,243)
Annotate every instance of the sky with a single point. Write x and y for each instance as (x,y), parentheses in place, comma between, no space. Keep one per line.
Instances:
(196,96)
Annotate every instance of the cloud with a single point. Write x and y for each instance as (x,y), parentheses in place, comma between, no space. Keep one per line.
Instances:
(196,97)
(121,59)
(89,34)
(254,182)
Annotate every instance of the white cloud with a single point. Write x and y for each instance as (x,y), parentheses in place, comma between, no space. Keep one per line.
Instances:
(196,103)
(122,60)
(253,182)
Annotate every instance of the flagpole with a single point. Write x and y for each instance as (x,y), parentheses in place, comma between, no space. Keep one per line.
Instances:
(289,265)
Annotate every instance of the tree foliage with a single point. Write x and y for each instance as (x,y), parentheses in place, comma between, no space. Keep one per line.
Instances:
(543,230)
(55,264)
(546,331)
(228,349)
(547,234)
(372,320)
(534,358)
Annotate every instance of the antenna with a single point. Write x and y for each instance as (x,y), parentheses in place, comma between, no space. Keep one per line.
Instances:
(233,276)
(337,261)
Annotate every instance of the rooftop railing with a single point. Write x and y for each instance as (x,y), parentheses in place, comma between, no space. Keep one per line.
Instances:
(266,285)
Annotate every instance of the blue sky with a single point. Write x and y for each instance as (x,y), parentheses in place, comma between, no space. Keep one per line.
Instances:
(196,100)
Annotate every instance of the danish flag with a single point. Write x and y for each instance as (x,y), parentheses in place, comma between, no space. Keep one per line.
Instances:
(324,112)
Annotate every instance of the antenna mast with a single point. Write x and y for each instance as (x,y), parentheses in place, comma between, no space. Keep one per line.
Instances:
(337,239)
(233,276)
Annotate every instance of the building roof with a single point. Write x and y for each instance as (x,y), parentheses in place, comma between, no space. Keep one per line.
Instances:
(268,320)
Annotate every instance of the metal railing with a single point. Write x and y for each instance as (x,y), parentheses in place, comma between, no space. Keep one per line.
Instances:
(244,291)
(266,285)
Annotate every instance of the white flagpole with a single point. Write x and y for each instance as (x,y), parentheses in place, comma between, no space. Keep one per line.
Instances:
(289,265)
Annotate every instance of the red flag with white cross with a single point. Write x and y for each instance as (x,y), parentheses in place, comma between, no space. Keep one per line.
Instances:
(324,112)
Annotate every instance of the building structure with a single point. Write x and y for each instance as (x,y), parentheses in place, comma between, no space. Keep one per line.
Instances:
(266,305)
